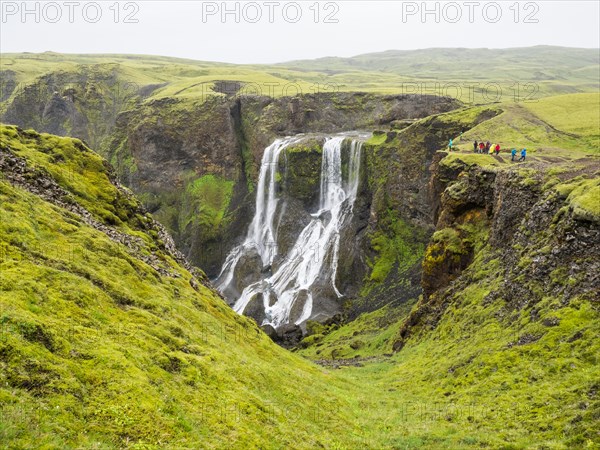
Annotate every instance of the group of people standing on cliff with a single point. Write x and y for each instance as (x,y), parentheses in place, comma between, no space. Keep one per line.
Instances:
(487,148)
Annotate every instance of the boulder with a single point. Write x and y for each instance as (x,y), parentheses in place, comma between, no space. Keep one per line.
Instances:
(248,269)
(256,309)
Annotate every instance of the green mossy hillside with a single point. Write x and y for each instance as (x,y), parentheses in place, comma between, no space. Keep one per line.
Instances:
(100,350)
(78,170)
(501,350)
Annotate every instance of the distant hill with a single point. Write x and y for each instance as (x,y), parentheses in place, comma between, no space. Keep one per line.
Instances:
(553,70)
(541,63)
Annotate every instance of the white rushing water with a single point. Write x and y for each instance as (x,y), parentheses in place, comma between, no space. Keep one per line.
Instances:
(316,250)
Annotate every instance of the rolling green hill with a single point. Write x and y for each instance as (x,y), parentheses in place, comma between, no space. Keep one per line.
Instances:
(547,70)
(541,63)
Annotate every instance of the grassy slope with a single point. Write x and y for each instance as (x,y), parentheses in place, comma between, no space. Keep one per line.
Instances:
(100,350)
(66,340)
(552,70)
(526,62)
(564,126)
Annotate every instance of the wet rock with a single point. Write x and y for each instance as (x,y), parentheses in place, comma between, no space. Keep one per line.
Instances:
(289,335)
(298,306)
(269,330)
(302,176)
(248,270)
(293,220)
(256,309)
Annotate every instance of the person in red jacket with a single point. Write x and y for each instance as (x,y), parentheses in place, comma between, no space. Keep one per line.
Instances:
(481,147)
(497,149)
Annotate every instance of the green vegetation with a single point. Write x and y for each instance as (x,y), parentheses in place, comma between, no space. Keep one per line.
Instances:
(476,370)
(541,71)
(467,384)
(397,245)
(370,336)
(101,349)
(583,196)
(77,169)
(545,128)
(578,114)
(458,160)
(208,199)
(106,345)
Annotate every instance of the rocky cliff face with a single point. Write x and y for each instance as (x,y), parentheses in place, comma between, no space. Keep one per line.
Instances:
(82,103)
(165,147)
(195,164)
(402,208)
(532,234)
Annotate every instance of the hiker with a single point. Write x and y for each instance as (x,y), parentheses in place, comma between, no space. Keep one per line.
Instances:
(523,154)
(497,149)
(513,154)
(475,146)
(481,147)
(487,146)
(450,145)
(491,150)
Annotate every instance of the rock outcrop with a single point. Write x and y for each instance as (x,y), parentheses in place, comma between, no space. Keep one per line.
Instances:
(513,226)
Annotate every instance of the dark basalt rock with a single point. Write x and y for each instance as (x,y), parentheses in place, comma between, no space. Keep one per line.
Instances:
(298,306)
(248,270)
(289,335)
(270,331)
(255,309)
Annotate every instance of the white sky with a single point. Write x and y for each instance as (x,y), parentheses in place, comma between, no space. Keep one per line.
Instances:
(180,28)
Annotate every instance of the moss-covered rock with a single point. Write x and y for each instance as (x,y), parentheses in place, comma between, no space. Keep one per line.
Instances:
(301,169)
(404,202)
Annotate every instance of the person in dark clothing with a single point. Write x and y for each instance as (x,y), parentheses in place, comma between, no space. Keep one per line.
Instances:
(488,144)
(475,146)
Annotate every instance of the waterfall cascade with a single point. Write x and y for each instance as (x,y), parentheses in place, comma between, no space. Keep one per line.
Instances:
(314,256)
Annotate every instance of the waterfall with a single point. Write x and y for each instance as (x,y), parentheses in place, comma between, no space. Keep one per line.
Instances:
(315,253)
(261,233)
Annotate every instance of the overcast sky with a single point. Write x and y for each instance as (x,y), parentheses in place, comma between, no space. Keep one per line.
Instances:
(266,32)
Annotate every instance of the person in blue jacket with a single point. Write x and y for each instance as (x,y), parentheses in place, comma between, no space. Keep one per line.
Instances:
(513,154)
(523,154)
(450,145)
